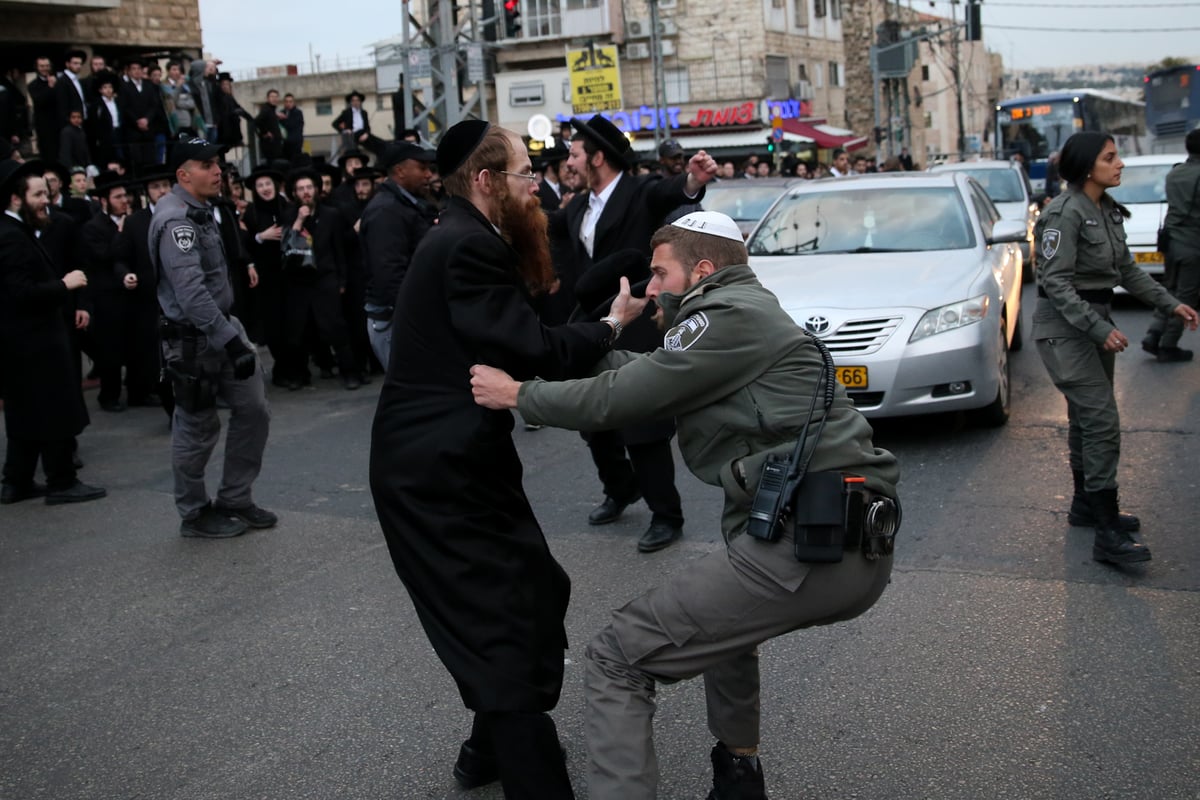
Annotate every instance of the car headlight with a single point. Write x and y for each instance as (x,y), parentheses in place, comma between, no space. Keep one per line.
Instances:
(951,317)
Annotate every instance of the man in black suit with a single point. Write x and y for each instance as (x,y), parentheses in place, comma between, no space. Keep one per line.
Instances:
(142,107)
(73,147)
(352,123)
(107,122)
(45,108)
(111,329)
(58,179)
(552,188)
(268,129)
(68,89)
(14,113)
(620,212)
(135,269)
(43,409)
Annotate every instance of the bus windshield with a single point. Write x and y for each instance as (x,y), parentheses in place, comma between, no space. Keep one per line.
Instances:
(1037,129)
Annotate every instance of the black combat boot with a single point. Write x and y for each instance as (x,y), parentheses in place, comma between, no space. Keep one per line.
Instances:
(1112,544)
(736,777)
(1081,510)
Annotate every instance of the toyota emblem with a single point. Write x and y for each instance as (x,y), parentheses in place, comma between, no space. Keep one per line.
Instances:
(816,325)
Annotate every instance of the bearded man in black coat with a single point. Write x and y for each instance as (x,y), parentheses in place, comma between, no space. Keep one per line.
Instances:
(43,409)
(445,475)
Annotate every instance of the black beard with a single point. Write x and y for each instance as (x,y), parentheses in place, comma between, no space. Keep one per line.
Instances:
(38,223)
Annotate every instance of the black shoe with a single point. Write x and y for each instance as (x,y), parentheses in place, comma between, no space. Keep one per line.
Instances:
(1111,544)
(736,777)
(658,536)
(11,493)
(78,493)
(1150,343)
(1081,515)
(1168,354)
(252,515)
(351,382)
(475,768)
(115,406)
(610,510)
(210,524)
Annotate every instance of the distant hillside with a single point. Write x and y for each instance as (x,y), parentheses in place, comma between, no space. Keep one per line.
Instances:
(1121,79)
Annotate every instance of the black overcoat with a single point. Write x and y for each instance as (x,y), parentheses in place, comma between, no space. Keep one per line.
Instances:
(42,401)
(446,477)
(316,293)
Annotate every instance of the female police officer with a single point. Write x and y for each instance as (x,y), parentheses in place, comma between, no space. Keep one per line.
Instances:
(1083,256)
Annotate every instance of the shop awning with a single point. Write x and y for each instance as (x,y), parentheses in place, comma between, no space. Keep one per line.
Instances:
(718,141)
(826,136)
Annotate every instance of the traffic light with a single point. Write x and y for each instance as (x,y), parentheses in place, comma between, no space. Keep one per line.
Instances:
(974,21)
(879,134)
(770,144)
(512,18)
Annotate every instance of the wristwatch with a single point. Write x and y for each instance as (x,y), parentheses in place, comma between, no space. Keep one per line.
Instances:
(616,326)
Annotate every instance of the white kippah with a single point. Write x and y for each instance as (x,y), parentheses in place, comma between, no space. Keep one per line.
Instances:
(714,223)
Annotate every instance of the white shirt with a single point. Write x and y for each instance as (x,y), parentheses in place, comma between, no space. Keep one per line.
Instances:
(596,203)
(556,187)
(111,105)
(357,123)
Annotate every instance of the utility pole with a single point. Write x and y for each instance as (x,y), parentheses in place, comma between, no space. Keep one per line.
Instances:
(957,72)
(660,83)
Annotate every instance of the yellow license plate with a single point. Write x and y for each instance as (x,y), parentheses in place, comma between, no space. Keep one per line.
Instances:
(852,377)
(1148,258)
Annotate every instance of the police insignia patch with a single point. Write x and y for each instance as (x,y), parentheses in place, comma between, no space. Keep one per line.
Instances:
(185,237)
(686,333)
(1050,240)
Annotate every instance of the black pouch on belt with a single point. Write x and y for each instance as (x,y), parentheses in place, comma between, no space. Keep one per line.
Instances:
(194,391)
(819,517)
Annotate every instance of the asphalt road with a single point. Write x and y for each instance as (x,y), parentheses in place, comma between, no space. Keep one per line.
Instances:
(1002,662)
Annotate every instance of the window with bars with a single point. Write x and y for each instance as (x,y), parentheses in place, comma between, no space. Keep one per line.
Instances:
(324,106)
(835,74)
(800,13)
(819,8)
(677,84)
(777,77)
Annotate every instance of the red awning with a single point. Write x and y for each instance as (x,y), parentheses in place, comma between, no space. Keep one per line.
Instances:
(826,136)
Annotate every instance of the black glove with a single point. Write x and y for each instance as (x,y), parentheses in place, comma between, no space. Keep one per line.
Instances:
(242,358)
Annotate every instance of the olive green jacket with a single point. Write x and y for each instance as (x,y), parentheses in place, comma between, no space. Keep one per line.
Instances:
(1082,246)
(1183,207)
(738,375)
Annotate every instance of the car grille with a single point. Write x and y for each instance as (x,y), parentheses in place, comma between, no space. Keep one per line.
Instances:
(860,337)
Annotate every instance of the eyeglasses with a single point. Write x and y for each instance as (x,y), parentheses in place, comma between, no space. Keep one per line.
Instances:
(527,176)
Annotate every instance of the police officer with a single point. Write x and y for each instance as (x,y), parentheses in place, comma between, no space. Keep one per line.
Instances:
(1083,256)
(737,373)
(206,352)
(1182,226)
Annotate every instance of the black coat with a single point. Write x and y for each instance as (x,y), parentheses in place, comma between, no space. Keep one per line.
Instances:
(131,253)
(45,116)
(270,134)
(42,401)
(392,228)
(634,211)
(145,103)
(73,150)
(316,293)
(550,199)
(67,99)
(14,111)
(446,477)
(107,141)
(345,122)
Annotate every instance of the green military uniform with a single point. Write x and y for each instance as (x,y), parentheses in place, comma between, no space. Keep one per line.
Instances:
(737,373)
(1082,256)
(1183,256)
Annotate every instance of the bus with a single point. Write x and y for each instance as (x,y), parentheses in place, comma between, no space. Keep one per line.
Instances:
(1037,125)
(1172,106)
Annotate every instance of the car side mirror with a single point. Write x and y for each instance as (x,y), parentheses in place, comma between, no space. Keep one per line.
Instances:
(1008,230)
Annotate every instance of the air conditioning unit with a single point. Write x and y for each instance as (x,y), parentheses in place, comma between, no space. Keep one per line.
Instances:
(666,27)
(637,28)
(636,50)
(667,47)
(802,90)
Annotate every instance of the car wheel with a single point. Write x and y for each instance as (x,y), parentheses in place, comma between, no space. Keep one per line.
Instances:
(1018,340)
(995,413)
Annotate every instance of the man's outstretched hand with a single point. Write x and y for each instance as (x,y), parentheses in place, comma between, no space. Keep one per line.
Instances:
(493,388)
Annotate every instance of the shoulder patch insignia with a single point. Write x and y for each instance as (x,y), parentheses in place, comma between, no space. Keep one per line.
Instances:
(686,333)
(1050,239)
(185,237)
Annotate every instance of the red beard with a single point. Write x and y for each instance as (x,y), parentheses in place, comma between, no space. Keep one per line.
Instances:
(523,225)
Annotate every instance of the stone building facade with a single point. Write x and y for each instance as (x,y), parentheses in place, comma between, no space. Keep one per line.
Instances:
(108,27)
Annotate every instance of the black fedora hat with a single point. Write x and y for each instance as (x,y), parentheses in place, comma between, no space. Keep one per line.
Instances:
(355,93)
(354,153)
(156,175)
(264,171)
(58,169)
(550,156)
(12,171)
(607,137)
(107,181)
(295,175)
(367,173)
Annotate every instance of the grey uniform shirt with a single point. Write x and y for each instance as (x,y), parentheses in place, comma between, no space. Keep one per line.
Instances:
(193,273)
(1082,246)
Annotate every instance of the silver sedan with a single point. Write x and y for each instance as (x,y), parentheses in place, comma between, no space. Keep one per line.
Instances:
(912,280)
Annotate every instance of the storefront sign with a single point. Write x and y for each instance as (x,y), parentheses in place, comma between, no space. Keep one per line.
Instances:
(744,114)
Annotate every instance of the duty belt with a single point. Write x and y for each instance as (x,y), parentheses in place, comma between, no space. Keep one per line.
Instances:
(1090,295)
(171,329)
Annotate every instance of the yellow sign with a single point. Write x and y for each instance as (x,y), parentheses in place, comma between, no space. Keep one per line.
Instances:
(595,79)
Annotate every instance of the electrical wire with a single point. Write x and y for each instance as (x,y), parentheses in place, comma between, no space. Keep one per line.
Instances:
(1056,30)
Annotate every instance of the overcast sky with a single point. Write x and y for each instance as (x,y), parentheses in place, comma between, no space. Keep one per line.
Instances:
(246,34)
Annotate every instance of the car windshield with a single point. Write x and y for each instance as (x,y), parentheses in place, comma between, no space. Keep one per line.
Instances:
(741,199)
(1142,184)
(1002,185)
(865,221)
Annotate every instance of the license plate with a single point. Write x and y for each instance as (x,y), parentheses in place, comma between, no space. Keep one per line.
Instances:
(1148,258)
(852,377)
